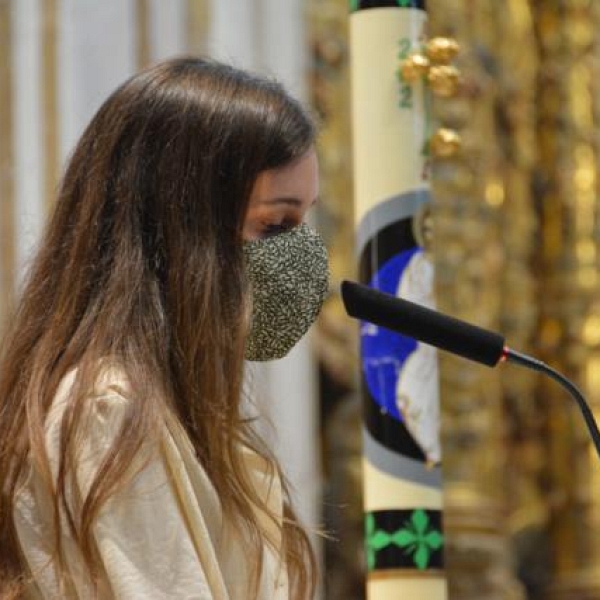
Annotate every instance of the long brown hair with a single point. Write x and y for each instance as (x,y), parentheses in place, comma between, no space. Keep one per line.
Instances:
(142,261)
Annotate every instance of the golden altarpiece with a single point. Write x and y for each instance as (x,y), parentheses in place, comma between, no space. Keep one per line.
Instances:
(516,238)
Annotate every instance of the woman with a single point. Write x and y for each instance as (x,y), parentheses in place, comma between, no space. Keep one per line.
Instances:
(177,248)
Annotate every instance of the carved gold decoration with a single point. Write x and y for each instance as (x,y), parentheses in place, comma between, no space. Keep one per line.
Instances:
(329,91)
(335,339)
(142,26)
(443,80)
(524,414)
(414,68)
(569,119)
(198,23)
(441,49)
(517,225)
(469,199)
(529,109)
(445,143)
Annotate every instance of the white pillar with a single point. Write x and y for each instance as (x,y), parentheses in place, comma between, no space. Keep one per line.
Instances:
(28,133)
(96,53)
(282,43)
(167,29)
(292,381)
(233,34)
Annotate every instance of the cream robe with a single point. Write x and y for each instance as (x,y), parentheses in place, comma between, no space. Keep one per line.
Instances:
(163,535)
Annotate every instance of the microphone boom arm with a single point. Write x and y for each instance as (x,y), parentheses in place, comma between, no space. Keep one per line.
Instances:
(534,364)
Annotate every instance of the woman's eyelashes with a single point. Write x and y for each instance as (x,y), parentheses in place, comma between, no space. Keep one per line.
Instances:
(270,229)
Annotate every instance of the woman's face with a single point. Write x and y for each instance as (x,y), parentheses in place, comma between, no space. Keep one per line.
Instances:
(281,198)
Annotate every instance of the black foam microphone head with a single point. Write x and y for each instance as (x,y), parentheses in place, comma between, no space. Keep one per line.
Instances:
(423,324)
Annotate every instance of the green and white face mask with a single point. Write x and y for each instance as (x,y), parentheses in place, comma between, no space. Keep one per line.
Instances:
(289,276)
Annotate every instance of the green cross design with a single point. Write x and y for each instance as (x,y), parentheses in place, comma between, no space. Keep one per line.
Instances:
(404,3)
(417,538)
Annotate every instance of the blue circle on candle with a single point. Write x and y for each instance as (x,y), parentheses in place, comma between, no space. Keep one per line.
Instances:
(384,352)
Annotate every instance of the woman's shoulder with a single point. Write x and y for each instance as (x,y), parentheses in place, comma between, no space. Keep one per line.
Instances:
(109,385)
(107,402)
(102,403)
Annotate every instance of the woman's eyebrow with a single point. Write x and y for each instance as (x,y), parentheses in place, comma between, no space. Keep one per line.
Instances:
(283,200)
(287,200)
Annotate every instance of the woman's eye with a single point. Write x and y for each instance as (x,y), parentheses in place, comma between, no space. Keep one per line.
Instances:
(271,229)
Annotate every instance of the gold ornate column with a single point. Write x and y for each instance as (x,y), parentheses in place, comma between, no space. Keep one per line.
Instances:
(142,33)
(524,412)
(469,191)
(568,137)
(335,342)
(198,24)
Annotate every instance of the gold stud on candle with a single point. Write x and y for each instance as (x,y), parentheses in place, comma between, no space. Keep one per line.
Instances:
(444,80)
(414,67)
(445,143)
(442,50)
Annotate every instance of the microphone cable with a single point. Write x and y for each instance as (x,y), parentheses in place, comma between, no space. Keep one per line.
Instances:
(523,360)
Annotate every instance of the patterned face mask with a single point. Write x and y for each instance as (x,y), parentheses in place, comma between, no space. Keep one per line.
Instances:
(289,276)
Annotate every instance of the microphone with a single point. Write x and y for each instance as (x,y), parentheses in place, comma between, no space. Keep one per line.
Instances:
(450,334)
(423,324)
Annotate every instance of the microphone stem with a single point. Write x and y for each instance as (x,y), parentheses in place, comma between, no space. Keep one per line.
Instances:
(537,365)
